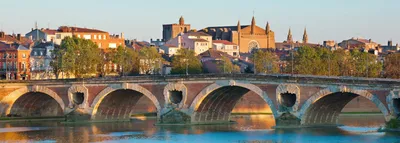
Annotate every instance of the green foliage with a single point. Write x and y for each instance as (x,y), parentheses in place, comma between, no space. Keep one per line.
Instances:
(183,58)
(126,58)
(225,65)
(392,65)
(265,62)
(77,56)
(150,61)
(321,61)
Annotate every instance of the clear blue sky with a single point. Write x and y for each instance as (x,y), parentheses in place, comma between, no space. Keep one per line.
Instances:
(143,19)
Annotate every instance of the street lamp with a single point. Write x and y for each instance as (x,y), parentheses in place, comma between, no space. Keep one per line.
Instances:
(187,66)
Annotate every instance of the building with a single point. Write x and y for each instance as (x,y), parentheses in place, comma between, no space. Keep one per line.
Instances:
(157,43)
(103,39)
(42,34)
(199,42)
(358,43)
(247,37)
(169,50)
(225,46)
(171,31)
(14,61)
(40,59)
(290,44)
(211,60)
(390,47)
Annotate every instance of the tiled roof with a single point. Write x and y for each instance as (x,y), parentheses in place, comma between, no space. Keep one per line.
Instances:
(212,53)
(197,34)
(289,45)
(50,31)
(225,42)
(13,39)
(78,29)
(14,46)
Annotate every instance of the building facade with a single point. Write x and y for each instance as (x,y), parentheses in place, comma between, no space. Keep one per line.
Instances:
(247,37)
(199,42)
(14,61)
(230,48)
(171,31)
(40,59)
(357,43)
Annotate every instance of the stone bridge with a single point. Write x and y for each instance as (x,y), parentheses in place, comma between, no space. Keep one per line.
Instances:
(199,99)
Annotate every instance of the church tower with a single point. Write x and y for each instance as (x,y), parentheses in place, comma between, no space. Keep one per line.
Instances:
(253,26)
(305,36)
(289,37)
(181,21)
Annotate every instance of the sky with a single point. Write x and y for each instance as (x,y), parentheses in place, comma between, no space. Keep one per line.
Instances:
(337,20)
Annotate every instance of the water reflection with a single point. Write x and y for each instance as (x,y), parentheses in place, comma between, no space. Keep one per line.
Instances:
(248,129)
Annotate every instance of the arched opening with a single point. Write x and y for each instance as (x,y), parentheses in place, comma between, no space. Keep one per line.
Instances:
(288,99)
(78,98)
(175,96)
(121,104)
(35,104)
(217,106)
(396,106)
(342,108)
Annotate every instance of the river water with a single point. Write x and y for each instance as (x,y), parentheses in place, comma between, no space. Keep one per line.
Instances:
(254,129)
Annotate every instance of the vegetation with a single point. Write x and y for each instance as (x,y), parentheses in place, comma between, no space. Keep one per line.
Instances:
(126,58)
(76,56)
(393,124)
(392,66)
(186,58)
(321,61)
(265,61)
(150,61)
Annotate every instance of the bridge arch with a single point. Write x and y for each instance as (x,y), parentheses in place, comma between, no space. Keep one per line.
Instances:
(118,103)
(325,106)
(22,100)
(78,89)
(216,102)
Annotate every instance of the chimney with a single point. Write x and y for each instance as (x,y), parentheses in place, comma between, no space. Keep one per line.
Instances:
(370,40)
(122,35)
(390,43)
(19,37)
(2,34)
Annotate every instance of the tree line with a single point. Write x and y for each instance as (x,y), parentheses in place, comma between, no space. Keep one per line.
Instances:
(324,62)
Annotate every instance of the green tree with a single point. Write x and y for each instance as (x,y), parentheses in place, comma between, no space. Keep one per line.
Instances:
(150,61)
(392,66)
(125,58)
(56,63)
(365,64)
(186,58)
(265,62)
(77,56)
(225,65)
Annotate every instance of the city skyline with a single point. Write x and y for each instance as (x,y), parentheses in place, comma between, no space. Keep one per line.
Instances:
(332,20)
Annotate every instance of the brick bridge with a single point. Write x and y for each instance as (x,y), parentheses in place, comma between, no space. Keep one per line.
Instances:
(199,99)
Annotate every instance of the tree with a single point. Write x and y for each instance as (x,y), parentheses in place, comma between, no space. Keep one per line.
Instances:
(149,60)
(77,56)
(365,64)
(56,63)
(225,65)
(265,62)
(186,58)
(125,58)
(392,66)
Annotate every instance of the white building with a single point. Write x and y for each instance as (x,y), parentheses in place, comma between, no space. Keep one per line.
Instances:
(199,42)
(41,56)
(227,47)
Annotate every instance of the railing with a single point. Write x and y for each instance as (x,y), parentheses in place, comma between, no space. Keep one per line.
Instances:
(277,78)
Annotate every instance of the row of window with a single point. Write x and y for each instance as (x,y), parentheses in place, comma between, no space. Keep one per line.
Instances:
(95,37)
(12,65)
(12,56)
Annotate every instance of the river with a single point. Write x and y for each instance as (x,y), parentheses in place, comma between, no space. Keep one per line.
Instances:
(254,129)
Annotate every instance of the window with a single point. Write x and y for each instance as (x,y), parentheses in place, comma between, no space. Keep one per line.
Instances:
(23,66)
(99,37)
(15,56)
(104,37)
(95,37)
(41,53)
(87,37)
(58,36)
(9,56)
(23,55)
(35,53)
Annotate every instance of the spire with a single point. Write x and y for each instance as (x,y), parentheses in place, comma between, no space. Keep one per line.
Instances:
(305,36)
(253,25)
(267,28)
(289,37)
(181,21)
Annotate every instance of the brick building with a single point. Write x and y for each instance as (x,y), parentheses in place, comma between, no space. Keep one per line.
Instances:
(171,31)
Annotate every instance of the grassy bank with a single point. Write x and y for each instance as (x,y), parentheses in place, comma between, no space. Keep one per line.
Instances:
(21,119)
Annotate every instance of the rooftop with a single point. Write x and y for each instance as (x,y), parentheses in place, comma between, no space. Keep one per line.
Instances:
(225,42)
